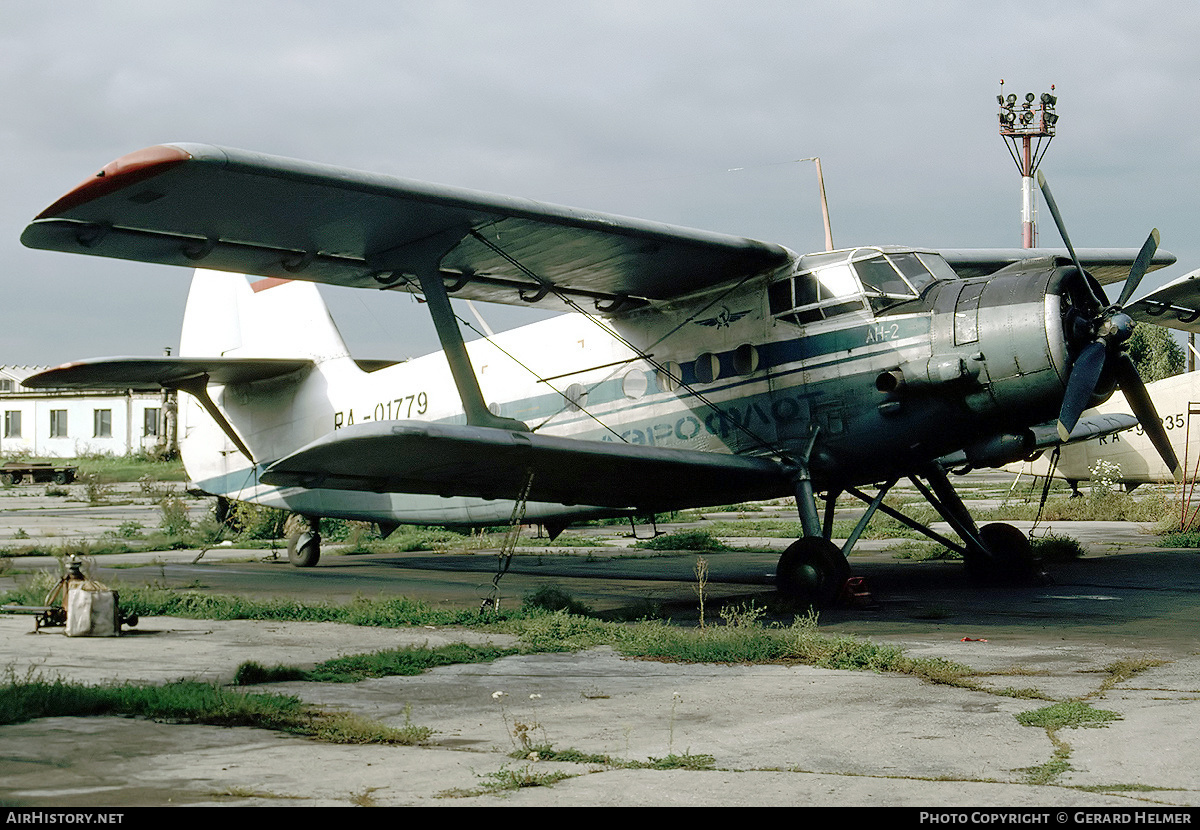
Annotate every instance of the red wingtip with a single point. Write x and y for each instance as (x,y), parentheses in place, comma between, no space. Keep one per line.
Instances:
(269,282)
(125,171)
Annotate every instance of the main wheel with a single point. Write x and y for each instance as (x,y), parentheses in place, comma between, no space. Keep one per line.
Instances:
(304,549)
(812,570)
(1007,555)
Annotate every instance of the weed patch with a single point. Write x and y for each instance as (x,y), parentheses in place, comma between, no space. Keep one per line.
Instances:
(1073,714)
(692,540)
(27,698)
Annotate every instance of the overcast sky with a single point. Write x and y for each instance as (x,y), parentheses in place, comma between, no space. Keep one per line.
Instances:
(690,113)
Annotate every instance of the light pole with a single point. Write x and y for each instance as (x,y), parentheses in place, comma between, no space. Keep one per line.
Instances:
(1019,126)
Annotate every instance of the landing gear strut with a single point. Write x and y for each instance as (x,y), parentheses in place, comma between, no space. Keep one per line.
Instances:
(814,570)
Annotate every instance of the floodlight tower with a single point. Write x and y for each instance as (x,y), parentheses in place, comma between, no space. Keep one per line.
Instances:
(1019,127)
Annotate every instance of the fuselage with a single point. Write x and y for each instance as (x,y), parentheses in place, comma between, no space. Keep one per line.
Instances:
(891,358)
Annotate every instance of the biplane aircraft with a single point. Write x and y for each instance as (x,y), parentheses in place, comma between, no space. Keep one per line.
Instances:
(696,369)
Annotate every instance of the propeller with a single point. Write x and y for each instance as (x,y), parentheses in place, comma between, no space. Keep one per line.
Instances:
(1106,328)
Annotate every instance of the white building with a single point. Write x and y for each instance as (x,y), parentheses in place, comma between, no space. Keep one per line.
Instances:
(66,424)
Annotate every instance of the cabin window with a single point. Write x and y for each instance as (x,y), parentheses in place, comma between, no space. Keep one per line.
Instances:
(668,377)
(634,384)
(707,368)
(576,396)
(745,359)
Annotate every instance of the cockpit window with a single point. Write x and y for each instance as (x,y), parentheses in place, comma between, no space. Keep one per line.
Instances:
(879,276)
(913,270)
(816,295)
(836,282)
(938,267)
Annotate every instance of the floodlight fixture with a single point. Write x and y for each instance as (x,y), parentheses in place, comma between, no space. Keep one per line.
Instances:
(1019,126)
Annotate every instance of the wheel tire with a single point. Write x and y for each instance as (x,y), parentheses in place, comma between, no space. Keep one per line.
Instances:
(812,570)
(7,479)
(304,550)
(1007,555)
(61,477)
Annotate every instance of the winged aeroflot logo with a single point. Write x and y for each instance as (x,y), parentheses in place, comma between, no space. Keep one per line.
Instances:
(724,318)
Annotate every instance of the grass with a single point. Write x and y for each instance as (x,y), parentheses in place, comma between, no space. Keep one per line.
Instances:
(389,663)
(743,639)
(689,540)
(1072,714)
(27,698)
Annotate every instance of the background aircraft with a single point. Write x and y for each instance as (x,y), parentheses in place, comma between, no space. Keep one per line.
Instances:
(698,369)
(1131,454)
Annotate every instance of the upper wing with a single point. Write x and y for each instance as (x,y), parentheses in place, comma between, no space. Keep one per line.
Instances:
(145,374)
(1176,305)
(1107,265)
(484,462)
(232,210)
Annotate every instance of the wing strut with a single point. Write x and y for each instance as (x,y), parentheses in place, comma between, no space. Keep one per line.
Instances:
(424,259)
(197,387)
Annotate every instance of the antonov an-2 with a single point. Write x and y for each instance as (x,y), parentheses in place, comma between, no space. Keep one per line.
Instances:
(696,369)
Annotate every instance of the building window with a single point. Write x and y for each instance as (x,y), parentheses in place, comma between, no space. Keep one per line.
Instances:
(12,423)
(150,419)
(102,423)
(6,385)
(58,423)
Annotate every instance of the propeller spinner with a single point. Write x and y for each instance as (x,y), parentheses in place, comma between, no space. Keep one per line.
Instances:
(1107,328)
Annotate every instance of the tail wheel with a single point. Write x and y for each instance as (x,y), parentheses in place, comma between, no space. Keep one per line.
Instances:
(812,570)
(1007,555)
(304,549)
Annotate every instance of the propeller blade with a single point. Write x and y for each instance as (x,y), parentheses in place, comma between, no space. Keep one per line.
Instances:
(1058,220)
(1139,268)
(1082,294)
(1143,408)
(1081,384)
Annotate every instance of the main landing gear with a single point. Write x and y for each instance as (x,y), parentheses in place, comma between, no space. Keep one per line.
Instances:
(304,541)
(814,570)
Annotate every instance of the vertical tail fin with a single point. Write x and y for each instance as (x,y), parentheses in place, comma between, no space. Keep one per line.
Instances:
(229,316)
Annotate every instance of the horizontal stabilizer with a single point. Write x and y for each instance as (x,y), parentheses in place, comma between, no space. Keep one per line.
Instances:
(148,374)
(485,462)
